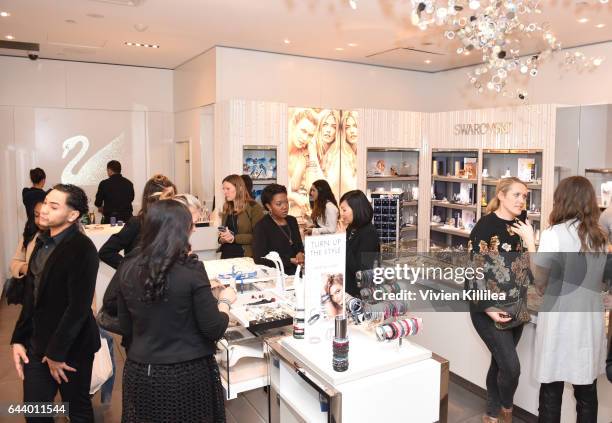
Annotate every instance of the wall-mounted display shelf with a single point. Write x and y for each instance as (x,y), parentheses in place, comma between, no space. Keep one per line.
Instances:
(454,198)
(393,186)
(259,162)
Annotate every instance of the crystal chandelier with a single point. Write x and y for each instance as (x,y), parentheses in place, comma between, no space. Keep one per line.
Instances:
(492,28)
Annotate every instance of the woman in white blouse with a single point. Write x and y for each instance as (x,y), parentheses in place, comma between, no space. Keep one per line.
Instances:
(570,344)
(324,210)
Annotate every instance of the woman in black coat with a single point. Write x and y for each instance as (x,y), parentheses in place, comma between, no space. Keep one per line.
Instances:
(170,322)
(277,231)
(362,244)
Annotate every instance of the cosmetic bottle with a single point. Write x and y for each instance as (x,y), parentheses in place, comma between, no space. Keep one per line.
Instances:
(340,345)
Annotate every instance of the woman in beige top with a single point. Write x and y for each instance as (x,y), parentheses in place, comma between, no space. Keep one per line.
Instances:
(19,263)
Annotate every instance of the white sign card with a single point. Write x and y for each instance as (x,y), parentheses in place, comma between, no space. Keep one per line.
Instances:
(324,284)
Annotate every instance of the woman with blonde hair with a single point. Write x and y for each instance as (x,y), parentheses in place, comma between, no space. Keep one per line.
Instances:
(570,344)
(239,216)
(328,148)
(497,246)
(348,138)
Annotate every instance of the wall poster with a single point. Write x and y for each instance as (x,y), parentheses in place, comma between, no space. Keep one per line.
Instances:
(322,145)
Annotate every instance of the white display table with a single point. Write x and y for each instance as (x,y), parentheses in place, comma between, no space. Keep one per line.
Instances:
(384,383)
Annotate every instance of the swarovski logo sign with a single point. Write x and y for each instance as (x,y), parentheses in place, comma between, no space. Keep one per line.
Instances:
(498,128)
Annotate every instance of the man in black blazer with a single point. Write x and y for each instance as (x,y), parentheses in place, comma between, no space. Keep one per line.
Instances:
(56,336)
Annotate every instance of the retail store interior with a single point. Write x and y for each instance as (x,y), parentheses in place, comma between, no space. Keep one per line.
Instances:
(429,105)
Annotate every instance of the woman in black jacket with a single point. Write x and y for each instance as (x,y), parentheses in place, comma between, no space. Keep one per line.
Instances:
(277,231)
(170,321)
(158,187)
(362,244)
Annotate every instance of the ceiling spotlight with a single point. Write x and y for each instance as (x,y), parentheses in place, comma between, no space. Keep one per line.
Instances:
(583,20)
(128,43)
(353,4)
(339,49)
(352,45)
(141,27)
(427,61)
(603,1)
(9,37)
(287,41)
(600,25)
(95,15)
(5,14)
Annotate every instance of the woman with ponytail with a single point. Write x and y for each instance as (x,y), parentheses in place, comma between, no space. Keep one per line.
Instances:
(570,344)
(499,249)
(170,322)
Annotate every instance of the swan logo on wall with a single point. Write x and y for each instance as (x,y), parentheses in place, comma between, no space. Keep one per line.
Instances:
(94,169)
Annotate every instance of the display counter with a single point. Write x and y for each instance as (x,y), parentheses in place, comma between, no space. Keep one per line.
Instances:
(203,243)
(384,382)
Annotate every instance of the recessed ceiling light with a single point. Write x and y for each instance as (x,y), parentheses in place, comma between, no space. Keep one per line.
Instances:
(427,61)
(339,49)
(9,37)
(600,25)
(95,15)
(427,43)
(583,20)
(141,27)
(5,14)
(352,44)
(70,21)
(128,43)
(287,41)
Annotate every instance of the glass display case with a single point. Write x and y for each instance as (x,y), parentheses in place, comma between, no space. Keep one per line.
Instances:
(454,200)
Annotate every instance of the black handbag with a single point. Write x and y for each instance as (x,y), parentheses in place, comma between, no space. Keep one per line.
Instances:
(108,322)
(14,289)
(518,311)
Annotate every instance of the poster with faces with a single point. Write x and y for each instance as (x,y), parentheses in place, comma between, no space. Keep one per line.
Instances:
(322,145)
(324,285)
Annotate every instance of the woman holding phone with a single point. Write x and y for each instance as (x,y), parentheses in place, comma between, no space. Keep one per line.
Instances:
(498,248)
(239,216)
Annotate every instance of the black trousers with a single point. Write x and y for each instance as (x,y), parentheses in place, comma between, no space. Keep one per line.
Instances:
(505,368)
(551,395)
(39,386)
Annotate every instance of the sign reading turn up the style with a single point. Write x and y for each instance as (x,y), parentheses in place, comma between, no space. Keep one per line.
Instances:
(497,128)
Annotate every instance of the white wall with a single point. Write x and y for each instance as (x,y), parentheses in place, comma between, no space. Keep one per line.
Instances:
(306,82)
(124,112)
(194,88)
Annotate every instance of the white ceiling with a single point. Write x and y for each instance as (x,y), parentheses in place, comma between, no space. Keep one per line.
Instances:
(315,28)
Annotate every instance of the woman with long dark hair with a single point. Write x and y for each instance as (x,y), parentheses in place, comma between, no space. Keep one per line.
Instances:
(324,209)
(170,322)
(239,216)
(156,188)
(362,243)
(496,241)
(570,343)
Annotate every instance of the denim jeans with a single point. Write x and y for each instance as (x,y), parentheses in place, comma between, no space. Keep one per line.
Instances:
(106,391)
(505,369)
(551,395)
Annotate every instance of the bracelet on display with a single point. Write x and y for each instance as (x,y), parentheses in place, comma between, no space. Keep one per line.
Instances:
(399,329)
